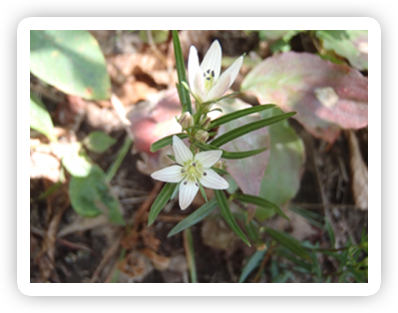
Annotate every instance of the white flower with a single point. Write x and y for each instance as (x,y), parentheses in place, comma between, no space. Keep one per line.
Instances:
(191,171)
(205,81)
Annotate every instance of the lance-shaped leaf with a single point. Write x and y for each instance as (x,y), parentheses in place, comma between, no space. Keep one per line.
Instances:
(181,72)
(227,154)
(326,96)
(228,216)
(238,114)
(245,129)
(254,167)
(288,242)
(252,264)
(70,60)
(165,141)
(195,217)
(159,203)
(260,202)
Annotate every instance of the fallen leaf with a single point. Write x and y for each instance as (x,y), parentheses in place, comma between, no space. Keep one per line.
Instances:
(359,172)
(326,96)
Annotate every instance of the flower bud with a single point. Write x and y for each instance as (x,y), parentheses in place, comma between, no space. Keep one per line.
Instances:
(205,123)
(185,120)
(201,136)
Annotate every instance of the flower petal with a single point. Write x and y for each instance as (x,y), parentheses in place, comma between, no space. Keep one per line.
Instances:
(226,80)
(193,65)
(171,174)
(188,192)
(198,87)
(208,158)
(181,151)
(213,180)
(212,59)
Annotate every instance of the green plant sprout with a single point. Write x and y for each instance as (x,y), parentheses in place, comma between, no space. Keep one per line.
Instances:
(198,164)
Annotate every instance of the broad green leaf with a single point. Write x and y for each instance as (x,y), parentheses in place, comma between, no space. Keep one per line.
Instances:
(98,141)
(195,217)
(165,141)
(282,177)
(227,154)
(351,44)
(40,119)
(237,114)
(70,60)
(240,131)
(326,96)
(252,264)
(228,216)
(288,242)
(161,200)
(77,164)
(182,77)
(260,202)
(91,196)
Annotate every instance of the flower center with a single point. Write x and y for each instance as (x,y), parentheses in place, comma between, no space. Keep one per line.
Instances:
(192,171)
(209,79)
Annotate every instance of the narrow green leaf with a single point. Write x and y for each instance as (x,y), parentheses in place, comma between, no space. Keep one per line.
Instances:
(311,217)
(288,242)
(182,77)
(253,263)
(330,231)
(190,255)
(171,157)
(203,192)
(119,159)
(97,141)
(195,217)
(40,119)
(159,203)
(219,171)
(240,131)
(165,141)
(227,214)
(227,154)
(176,189)
(252,232)
(235,115)
(260,202)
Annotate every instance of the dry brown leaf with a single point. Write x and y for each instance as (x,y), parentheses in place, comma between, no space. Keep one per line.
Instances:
(160,262)
(135,265)
(359,173)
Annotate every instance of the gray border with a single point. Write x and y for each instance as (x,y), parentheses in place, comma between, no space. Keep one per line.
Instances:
(15,12)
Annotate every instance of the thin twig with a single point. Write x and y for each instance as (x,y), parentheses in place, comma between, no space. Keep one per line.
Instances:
(107,256)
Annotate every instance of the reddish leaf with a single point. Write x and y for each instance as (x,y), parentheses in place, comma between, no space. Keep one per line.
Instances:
(326,96)
(153,121)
